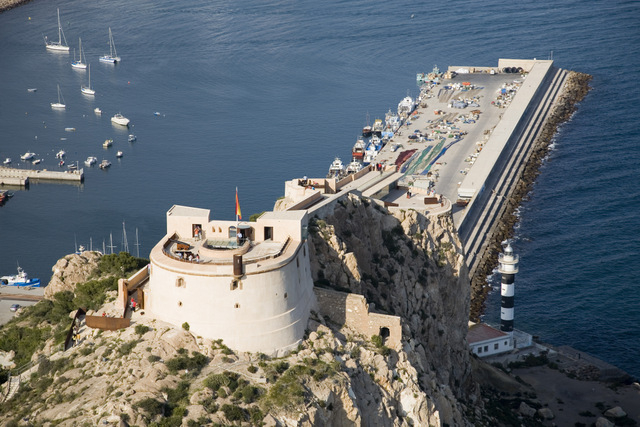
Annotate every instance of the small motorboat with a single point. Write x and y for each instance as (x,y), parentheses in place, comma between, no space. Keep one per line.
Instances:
(61,164)
(36,161)
(7,161)
(33,89)
(90,161)
(60,154)
(70,129)
(72,167)
(119,119)
(28,156)
(107,143)
(105,164)
(132,138)
(97,110)
(119,154)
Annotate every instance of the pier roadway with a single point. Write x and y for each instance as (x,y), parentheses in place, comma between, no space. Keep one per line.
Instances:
(452,164)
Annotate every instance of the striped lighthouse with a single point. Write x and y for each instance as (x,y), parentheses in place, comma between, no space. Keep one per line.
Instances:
(508,268)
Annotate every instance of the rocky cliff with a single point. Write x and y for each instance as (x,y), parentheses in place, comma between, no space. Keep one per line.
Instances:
(411,266)
(71,270)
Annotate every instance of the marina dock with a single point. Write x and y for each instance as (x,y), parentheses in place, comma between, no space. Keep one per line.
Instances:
(462,149)
(21,177)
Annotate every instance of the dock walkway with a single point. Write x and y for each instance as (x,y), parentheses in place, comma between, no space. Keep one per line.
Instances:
(21,177)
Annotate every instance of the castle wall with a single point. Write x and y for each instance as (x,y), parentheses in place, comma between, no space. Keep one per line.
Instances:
(262,312)
(353,310)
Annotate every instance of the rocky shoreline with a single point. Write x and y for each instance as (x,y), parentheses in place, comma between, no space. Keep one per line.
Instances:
(10,4)
(576,88)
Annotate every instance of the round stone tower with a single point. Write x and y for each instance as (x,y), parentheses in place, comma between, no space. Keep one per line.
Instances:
(508,268)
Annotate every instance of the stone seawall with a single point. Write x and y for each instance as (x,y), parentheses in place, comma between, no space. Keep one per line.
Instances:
(576,88)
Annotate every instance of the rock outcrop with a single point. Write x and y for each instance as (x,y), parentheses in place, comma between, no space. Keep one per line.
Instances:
(71,270)
(411,266)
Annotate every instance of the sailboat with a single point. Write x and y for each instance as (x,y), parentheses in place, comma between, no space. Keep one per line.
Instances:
(113,57)
(79,63)
(58,46)
(87,89)
(60,104)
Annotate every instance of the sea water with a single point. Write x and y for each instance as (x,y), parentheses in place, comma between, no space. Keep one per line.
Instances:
(251,94)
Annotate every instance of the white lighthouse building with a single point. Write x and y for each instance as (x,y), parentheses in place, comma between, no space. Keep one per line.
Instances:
(246,283)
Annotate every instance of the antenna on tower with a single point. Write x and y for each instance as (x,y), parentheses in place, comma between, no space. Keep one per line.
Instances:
(125,244)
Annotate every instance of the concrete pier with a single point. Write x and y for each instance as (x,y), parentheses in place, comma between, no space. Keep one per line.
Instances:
(21,177)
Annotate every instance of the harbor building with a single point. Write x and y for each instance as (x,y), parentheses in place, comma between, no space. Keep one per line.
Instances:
(247,283)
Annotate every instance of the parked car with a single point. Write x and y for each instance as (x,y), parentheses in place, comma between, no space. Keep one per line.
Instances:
(15,307)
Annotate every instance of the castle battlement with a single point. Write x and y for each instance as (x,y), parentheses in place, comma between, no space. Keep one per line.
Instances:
(248,283)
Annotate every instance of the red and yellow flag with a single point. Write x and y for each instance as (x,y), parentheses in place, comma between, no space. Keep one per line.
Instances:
(238,213)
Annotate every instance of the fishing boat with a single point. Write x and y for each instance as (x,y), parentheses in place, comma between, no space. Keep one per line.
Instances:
(98,111)
(112,57)
(119,119)
(60,154)
(90,161)
(119,154)
(378,127)
(358,149)
(406,106)
(20,279)
(79,64)
(58,46)
(132,138)
(28,156)
(7,161)
(336,169)
(354,167)
(105,164)
(87,89)
(366,131)
(107,143)
(60,105)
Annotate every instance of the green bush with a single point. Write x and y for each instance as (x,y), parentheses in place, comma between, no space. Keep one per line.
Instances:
(252,369)
(120,265)
(185,326)
(127,347)
(233,412)
(141,329)
(226,379)
(91,295)
(151,406)
(193,364)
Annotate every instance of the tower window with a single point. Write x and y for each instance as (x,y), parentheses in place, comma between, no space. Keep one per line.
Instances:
(237,305)
(234,285)
(285,295)
(179,303)
(180,283)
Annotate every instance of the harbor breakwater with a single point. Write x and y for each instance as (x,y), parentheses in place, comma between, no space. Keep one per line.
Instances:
(576,88)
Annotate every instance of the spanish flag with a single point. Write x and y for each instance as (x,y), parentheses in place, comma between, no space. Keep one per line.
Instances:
(238,213)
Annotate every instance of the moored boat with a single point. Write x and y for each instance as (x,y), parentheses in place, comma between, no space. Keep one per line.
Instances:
(97,110)
(79,64)
(112,57)
(132,138)
(28,156)
(354,166)
(90,161)
(378,127)
(20,279)
(406,106)
(7,161)
(119,119)
(358,149)
(336,169)
(104,164)
(60,154)
(58,46)
(107,143)
(119,154)
(60,104)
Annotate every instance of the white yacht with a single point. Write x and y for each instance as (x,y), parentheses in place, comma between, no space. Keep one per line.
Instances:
(354,166)
(90,161)
(406,106)
(97,110)
(7,161)
(112,57)
(28,156)
(119,119)
(119,154)
(59,45)
(60,105)
(336,169)
(79,64)
(87,89)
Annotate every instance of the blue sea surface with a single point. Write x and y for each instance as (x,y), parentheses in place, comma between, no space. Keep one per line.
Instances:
(251,94)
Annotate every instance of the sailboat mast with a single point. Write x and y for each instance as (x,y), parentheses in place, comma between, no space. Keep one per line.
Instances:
(59,29)
(125,244)
(137,244)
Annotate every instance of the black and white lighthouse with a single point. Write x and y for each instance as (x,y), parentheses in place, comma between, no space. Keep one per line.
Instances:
(508,268)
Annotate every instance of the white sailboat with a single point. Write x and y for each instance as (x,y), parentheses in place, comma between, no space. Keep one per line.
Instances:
(80,64)
(59,45)
(113,57)
(87,89)
(60,104)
